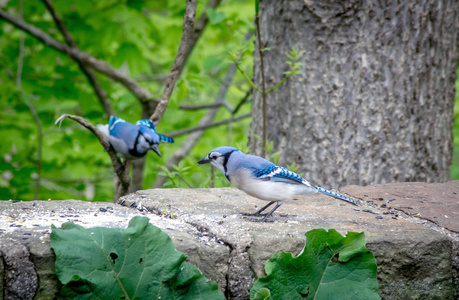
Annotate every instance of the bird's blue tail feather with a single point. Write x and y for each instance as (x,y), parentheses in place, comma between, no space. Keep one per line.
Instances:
(336,195)
(165,139)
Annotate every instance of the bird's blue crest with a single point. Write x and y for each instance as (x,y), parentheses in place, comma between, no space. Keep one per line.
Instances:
(146,123)
(224,149)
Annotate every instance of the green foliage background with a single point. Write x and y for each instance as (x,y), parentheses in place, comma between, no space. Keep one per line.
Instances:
(141,38)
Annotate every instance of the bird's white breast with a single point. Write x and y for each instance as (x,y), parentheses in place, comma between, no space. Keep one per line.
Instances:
(267,190)
(120,147)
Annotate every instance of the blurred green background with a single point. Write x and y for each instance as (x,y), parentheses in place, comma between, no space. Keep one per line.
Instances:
(140,38)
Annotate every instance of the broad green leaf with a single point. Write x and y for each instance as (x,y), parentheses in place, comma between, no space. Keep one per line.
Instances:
(329,267)
(139,262)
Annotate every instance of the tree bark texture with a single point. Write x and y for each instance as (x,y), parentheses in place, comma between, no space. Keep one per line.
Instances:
(375,101)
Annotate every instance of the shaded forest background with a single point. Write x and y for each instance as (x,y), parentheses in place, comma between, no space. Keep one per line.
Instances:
(139,38)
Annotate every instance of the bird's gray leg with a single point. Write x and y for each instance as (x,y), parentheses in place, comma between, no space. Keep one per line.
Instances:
(278,203)
(258,212)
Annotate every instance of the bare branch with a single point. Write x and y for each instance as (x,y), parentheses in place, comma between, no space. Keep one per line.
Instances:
(102,138)
(205,106)
(121,170)
(243,100)
(60,24)
(215,105)
(99,65)
(100,92)
(263,85)
(180,59)
(207,126)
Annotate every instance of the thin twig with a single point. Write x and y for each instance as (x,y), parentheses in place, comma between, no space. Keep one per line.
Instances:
(207,126)
(184,181)
(206,106)
(232,110)
(188,26)
(279,84)
(243,100)
(99,65)
(201,106)
(247,77)
(263,86)
(100,92)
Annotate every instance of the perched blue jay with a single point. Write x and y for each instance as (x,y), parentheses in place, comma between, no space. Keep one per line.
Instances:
(131,141)
(262,179)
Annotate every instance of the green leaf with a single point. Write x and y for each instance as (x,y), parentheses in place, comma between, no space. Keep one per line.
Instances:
(329,267)
(167,172)
(138,262)
(262,294)
(215,17)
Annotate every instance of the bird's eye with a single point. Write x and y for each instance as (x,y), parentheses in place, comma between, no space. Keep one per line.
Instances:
(147,138)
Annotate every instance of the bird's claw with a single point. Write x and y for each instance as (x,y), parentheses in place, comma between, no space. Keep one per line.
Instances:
(120,170)
(255,214)
(260,220)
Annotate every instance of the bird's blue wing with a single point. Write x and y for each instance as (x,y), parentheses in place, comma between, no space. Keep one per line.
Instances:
(276,173)
(121,129)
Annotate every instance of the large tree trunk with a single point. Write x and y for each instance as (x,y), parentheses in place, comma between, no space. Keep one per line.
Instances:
(375,101)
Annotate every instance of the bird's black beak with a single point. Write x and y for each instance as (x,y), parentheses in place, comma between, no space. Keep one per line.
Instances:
(156,149)
(205,160)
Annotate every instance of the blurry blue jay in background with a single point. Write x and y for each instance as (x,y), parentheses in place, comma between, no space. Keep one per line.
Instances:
(133,141)
(262,179)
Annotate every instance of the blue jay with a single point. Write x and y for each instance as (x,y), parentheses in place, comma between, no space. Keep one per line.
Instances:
(262,179)
(130,141)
